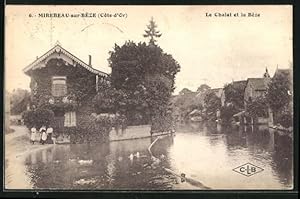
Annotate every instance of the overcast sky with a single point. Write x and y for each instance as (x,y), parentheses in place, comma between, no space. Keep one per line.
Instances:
(212,50)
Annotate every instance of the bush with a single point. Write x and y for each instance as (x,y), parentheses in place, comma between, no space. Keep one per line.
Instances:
(285,119)
(227,112)
(37,118)
(91,128)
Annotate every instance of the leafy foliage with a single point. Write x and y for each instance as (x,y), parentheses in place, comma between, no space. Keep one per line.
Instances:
(91,128)
(285,118)
(19,99)
(279,96)
(234,93)
(203,88)
(227,112)
(278,92)
(185,91)
(143,78)
(258,108)
(38,117)
(212,104)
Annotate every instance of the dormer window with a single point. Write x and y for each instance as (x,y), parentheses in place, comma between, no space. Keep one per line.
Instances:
(59,86)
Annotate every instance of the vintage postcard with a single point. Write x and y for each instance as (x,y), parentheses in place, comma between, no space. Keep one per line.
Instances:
(148,98)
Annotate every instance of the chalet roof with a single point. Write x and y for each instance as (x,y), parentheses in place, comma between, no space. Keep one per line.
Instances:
(58,49)
(258,83)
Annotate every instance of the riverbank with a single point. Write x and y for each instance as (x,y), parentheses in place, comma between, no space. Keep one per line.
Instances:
(17,147)
(17,144)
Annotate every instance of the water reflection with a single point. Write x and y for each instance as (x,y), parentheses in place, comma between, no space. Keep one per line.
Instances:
(204,152)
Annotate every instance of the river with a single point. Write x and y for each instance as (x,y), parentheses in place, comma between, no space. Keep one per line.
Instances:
(204,152)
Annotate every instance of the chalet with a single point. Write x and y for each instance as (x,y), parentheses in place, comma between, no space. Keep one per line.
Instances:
(64,83)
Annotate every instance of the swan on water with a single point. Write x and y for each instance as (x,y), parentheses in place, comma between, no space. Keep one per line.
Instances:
(85,162)
(120,158)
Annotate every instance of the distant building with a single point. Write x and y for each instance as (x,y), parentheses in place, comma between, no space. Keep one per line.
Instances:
(256,87)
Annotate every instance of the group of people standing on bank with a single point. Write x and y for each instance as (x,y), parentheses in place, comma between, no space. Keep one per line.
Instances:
(43,136)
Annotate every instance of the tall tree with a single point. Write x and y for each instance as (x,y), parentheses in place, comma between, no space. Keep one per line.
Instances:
(19,100)
(145,76)
(280,98)
(152,32)
(212,104)
(279,91)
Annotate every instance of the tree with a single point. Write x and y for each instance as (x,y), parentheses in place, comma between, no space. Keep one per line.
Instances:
(279,91)
(152,32)
(19,100)
(279,96)
(212,104)
(203,88)
(234,93)
(185,91)
(38,117)
(145,78)
(258,108)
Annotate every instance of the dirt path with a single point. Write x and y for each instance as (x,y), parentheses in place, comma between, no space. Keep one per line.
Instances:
(17,146)
(18,143)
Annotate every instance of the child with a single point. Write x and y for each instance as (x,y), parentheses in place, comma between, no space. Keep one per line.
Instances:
(33,135)
(44,136)
(43,128)
(49,135)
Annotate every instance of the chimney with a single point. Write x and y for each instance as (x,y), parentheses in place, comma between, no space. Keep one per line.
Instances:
(90,60)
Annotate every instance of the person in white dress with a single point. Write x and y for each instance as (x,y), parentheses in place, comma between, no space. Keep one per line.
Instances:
(33,135)
(49,135)
(42,129)
(44,134)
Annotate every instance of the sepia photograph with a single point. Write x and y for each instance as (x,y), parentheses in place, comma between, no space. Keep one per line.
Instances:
(148,97)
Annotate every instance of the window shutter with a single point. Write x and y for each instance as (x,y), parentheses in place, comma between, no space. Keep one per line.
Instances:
(70,119)
(59,86)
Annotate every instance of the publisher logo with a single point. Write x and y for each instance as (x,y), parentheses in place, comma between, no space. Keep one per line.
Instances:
(248,169)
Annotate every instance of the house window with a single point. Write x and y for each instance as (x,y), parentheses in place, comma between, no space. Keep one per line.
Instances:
(70,119)
(59,86)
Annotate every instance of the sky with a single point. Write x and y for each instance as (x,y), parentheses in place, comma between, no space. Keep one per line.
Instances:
(214,50)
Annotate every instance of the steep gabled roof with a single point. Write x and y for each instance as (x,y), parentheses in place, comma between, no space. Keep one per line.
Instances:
(258,84)
(58,49)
